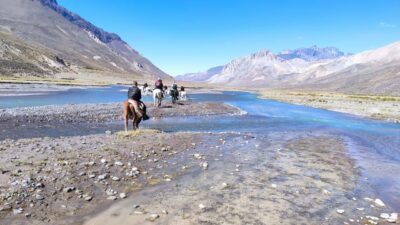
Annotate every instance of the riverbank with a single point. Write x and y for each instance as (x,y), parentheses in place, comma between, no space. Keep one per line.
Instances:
(371,106)
(283,178)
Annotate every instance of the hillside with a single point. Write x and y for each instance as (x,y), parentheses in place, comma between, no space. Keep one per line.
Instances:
(51,39)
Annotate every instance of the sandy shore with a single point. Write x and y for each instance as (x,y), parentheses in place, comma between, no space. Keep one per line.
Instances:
(375,107)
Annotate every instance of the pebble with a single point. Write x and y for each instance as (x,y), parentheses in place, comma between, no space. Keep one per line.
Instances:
(204,165)
(39,185)
(115,178)
(379,203)
(122,195)
(391,218)
(82,174)
(108,132)
(197,156)
(274,185)
(340,211)
(118,163)
(102,177)
(88,198)
(202,206)
(372,218)
(104,161)
(18,211)
(326,192)
(112,197)
(39,197)
(68,189)
(153,217)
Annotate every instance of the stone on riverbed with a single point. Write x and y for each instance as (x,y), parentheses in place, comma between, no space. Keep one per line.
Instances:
(118,163)
(102,177)
(18,211)
(379,202)
(153,217)
(392,218)
(112,197)
(204,165)
(68,189)
(340,211)
(122,195)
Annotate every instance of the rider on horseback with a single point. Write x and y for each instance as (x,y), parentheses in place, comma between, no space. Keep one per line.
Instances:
(174,93)
(134,99)
(159,84)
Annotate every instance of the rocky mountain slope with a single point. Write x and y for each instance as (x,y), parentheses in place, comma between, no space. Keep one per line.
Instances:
(51,39)
(373,72)
(200,76)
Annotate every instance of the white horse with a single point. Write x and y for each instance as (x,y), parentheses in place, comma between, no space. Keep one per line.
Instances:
(183,96)
(157,96)
(146,90)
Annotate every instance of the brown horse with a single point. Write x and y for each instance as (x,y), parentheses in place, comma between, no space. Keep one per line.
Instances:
(129,113)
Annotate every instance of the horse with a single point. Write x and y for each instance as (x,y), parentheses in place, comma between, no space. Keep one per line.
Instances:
(146,90)
(129,113)
(183,96)
(174,94)
(158,95)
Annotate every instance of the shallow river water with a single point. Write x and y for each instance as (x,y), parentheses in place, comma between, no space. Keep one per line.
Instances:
(375,145)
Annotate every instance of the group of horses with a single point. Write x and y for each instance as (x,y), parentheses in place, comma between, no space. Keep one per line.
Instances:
(158,95)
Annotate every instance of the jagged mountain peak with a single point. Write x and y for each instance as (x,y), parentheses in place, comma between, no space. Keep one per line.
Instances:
(99,33)
(313,53)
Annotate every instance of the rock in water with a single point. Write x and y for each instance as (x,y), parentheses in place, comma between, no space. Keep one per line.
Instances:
(379,202)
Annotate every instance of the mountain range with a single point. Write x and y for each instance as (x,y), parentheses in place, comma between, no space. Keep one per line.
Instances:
(200,76)
(326,69)
(42,38)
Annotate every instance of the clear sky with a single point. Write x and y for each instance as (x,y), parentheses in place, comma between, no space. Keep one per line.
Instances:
(181,36)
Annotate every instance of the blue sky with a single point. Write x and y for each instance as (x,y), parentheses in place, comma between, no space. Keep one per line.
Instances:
(181,36)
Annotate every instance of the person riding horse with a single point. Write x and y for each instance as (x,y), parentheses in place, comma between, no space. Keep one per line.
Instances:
(174,93)
(134,99)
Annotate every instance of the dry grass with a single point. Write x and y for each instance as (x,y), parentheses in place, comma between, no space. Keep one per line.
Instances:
(136,133)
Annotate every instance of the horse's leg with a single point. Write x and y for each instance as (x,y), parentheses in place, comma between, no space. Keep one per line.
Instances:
(133,114)
(125,115)
(137,122)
